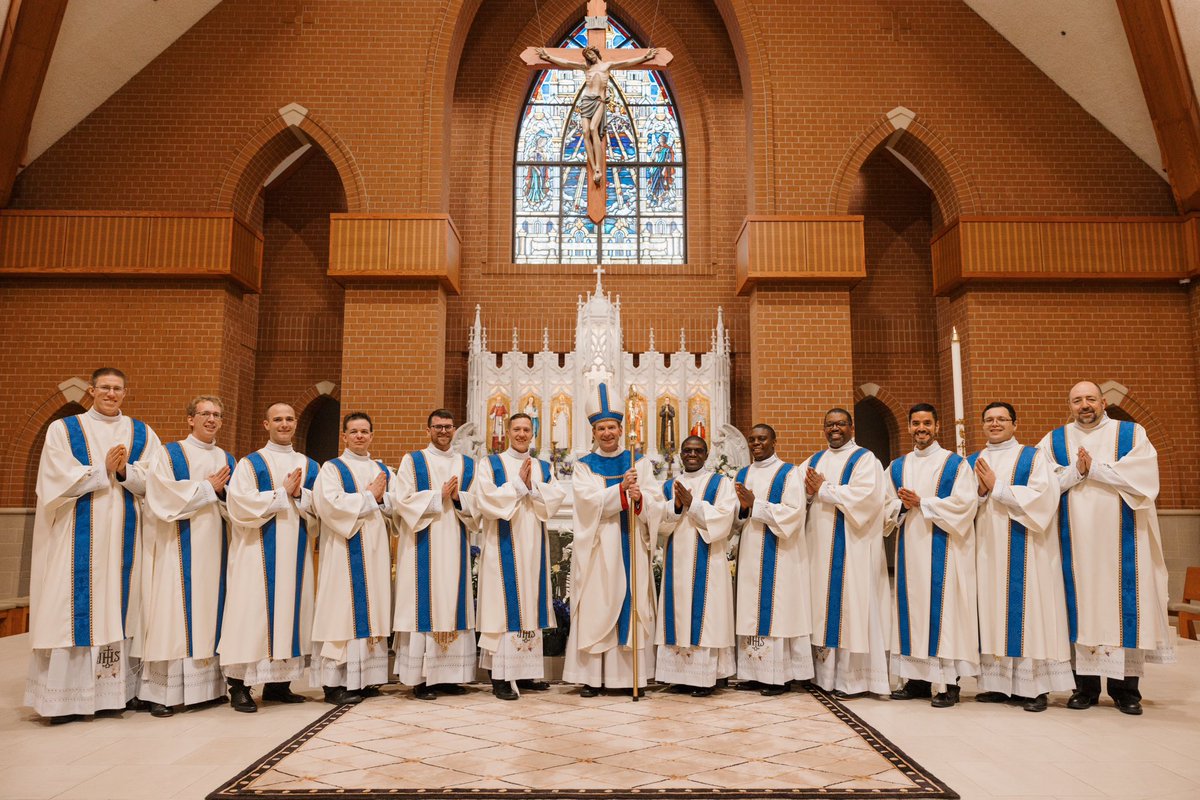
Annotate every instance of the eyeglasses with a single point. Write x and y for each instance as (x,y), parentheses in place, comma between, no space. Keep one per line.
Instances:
(841,423)
(110,389)
(997,419)
(207,414)
(441,428)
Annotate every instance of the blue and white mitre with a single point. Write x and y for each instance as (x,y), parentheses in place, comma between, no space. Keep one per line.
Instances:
(598,407)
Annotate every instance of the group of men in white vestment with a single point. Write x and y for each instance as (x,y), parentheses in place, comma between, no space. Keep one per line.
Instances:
(171,575)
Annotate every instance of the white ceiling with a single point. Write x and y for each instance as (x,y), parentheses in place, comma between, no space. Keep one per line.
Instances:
(1079,44)
(101,45)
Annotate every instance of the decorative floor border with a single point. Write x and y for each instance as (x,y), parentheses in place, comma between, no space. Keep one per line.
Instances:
(927,785)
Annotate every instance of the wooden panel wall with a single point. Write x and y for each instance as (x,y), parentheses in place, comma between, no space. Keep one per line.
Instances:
(800,248)
(111,243)
(408,246)
(1064,248)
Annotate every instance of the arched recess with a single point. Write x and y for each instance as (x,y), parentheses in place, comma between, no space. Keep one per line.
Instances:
(276,139)
(319,404)
(551,20)
(873,398)
(925,153)
(20,460)
(1124,405)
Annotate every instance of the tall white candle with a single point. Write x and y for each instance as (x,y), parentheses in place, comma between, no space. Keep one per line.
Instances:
(960,431)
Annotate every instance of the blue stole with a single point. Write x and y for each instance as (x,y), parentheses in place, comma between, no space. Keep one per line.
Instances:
(1018,547)
(612,469)
(938,556)
(183,534)
(424,587)
(81,544)
(508,559)
(837,559)
(267,536)
(360,601)
(770,552)
(1129,609)
(700,580)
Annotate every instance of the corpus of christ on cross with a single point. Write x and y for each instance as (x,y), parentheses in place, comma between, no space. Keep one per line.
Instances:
(594,99)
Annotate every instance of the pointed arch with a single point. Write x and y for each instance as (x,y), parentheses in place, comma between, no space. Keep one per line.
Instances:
(1127,404)
(275,140)
(889,409)
(923,150)
(20,460)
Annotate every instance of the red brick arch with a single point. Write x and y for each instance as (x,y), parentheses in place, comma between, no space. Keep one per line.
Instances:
(1170,495)
(305,403)
(267,147)
(898,413)
(952,189)
(23,452)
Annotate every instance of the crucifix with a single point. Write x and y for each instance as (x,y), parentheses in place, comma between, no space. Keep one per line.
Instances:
(596,61)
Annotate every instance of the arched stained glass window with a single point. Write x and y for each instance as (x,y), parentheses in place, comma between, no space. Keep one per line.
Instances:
(645,205)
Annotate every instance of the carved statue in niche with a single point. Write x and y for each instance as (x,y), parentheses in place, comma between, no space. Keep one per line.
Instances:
(560,422)
(497,422)
(698,413)
(532,405)
(668,441)
(635,421)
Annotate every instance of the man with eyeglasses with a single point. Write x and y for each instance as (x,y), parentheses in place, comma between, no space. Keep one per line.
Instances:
(186,495)
(1024,649)
(85,583)
(267,625)
(850,604)
(435,607)
(1112,559)
(774,623)
(931,502)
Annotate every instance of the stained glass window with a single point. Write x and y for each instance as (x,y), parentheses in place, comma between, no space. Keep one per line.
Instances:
(645,222)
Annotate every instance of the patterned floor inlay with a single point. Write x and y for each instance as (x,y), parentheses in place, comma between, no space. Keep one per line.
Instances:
(558,745)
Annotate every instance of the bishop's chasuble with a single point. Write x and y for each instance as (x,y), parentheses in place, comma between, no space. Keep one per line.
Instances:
(187,596)
(851,603)
(515,597)
(935,625)
(774,622)
(435,607)
(267,625)
(1024,646)
(87,575)
(1112,559)
(695,610)
(353,617)
(611,541)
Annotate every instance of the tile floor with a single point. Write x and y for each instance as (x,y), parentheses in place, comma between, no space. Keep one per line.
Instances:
(981,751)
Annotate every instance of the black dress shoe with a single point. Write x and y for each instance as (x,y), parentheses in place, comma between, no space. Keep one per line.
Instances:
(1079,700)
(589,691)
(450,688)
(137,705)
(240,698)
(63,719)
(947,698)
(702,691)
(680,688)
(530,685)
(370,691)
(423,692)
(838,694)
(503,690)
(991,697)
(282,693)
(1035,704)
(913,690)
(1129,705)
(773,690)
(749,686)
(161,711)
(340,696)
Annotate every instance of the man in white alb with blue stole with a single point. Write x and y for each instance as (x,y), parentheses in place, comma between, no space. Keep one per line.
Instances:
(695,610)
(435,610)
(1112,559)
(932,497)
(515,494)
(186,496)
(850,592)
(86,571)
(353,617)
(267,625)
(1024,647)
(611,579)
(774,624)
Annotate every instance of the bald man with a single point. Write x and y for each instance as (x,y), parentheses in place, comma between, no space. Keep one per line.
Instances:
(1112,559)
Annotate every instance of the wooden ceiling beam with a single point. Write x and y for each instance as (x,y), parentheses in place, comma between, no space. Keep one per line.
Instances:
(1167,86)
(27,42)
